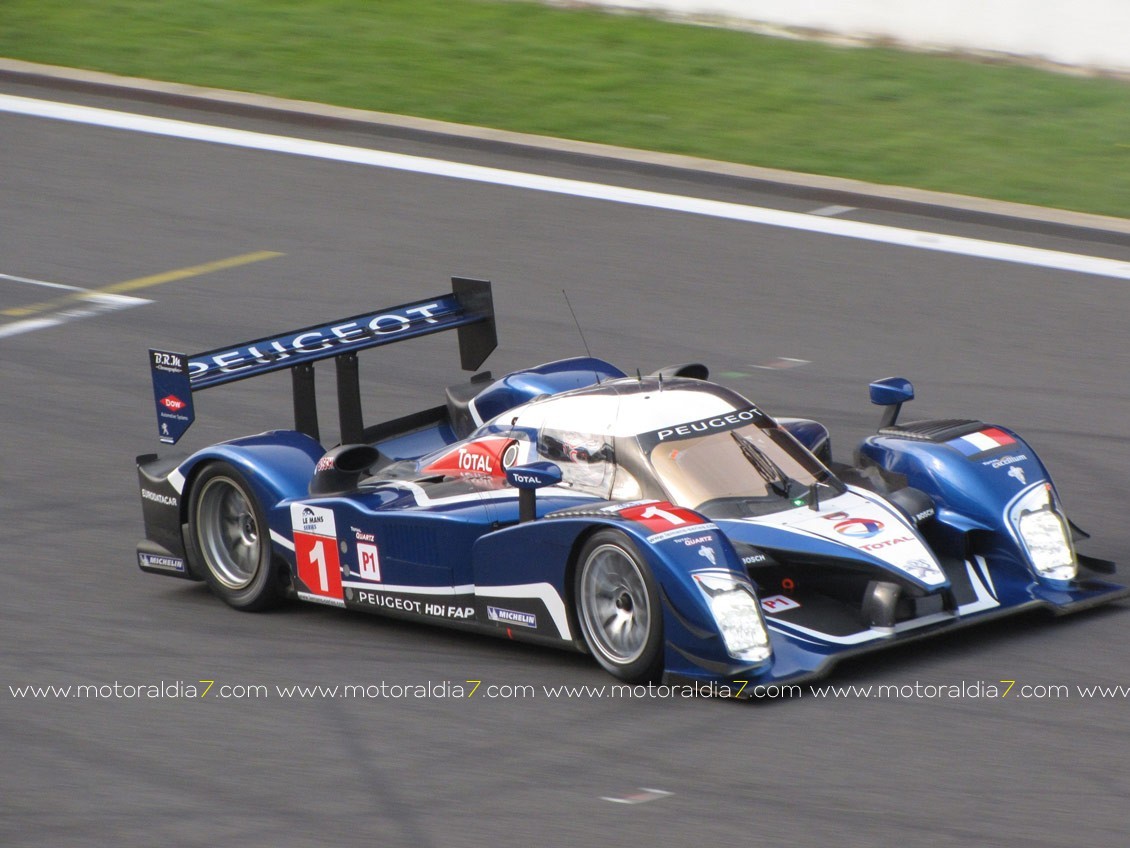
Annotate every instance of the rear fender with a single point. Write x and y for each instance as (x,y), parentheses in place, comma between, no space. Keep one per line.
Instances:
(278,465)
(549,379)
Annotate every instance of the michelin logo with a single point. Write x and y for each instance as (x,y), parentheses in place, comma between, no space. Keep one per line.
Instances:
(505,616)
(166,562)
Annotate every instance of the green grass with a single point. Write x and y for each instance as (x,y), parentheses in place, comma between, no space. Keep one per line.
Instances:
(934,122)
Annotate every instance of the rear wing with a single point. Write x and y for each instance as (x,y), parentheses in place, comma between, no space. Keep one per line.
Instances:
(469,308)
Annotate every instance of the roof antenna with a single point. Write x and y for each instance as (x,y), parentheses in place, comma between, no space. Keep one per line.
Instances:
(580,332)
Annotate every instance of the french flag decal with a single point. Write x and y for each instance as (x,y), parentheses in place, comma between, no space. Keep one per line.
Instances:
(982,441)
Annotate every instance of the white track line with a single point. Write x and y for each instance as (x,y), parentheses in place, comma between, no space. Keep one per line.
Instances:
(29,326)
(90,305)
(920,240)
(43,283)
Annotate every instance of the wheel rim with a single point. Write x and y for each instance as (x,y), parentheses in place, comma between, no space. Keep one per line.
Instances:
(228,533)
(615,605)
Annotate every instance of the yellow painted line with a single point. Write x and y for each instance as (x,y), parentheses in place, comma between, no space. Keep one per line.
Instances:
(144,282)
(184,273)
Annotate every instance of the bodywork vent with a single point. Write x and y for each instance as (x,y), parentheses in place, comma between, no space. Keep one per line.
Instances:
(933,430)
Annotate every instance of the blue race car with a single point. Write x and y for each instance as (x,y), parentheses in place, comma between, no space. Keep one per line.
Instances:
(663,523)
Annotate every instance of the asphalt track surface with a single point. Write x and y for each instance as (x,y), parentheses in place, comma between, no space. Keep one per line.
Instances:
(798,321)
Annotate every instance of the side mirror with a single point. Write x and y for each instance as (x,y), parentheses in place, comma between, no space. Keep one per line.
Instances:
(892,393)
(527,479)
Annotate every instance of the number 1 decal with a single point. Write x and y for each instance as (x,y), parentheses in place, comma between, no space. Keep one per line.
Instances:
(661,516)
(318,558)
(315,550)
(654,512)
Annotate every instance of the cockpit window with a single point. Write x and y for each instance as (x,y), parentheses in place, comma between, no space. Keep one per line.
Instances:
(586,460)
(734,460)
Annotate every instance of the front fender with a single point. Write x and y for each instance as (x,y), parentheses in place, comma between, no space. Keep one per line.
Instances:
(971,489)
(694,644)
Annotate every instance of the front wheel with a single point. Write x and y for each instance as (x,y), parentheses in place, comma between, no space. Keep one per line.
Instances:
(229,531)
(618,608)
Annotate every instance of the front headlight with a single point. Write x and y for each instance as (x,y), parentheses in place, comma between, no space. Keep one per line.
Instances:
(1044,533)
(737,615)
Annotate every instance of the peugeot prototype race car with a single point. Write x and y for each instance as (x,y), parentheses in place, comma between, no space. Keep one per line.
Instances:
(663,523)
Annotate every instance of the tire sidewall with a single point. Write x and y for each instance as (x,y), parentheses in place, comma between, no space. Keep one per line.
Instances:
(649,665)
(263,590)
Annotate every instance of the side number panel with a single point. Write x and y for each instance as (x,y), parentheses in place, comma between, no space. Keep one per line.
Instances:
(315,550)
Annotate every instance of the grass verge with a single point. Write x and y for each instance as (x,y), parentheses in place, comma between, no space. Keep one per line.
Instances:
(942,123)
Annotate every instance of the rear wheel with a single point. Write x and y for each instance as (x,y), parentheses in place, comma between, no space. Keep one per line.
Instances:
(618,608)
(229,531)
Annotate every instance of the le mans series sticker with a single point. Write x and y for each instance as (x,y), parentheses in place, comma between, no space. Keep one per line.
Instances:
(315,549)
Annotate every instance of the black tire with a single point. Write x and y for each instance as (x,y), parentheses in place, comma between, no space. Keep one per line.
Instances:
(229,534)
(618,608)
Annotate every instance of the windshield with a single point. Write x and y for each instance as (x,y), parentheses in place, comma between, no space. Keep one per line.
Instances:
(750,469)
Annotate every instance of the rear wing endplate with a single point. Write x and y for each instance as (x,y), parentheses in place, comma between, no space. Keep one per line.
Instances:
(469,308)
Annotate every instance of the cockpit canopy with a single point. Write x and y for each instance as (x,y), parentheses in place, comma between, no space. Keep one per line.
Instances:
(693,443)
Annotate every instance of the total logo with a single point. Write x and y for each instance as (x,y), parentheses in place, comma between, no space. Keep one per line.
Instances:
(860,528)
(469,461)
(484,457)
(173,403)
